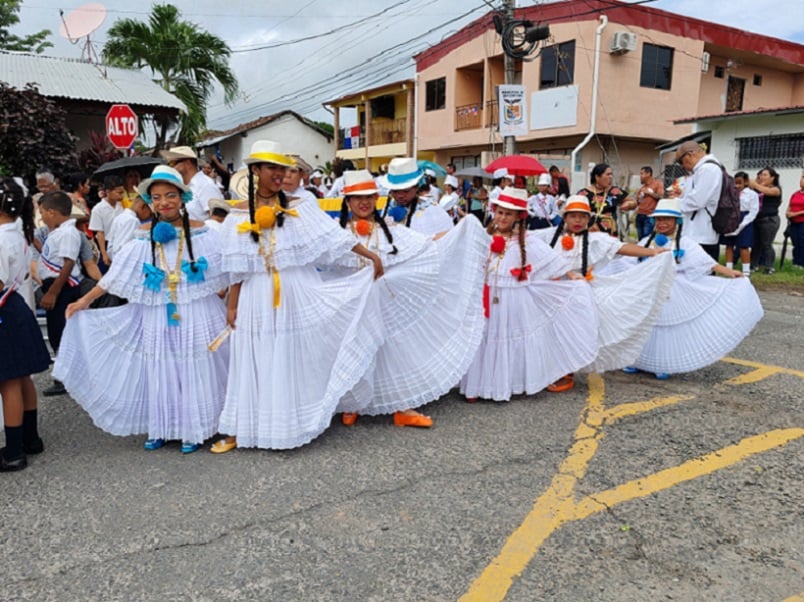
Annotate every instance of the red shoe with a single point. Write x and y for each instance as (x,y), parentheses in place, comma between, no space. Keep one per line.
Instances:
(471,399)
(401,419)
(349,418)
(565,383)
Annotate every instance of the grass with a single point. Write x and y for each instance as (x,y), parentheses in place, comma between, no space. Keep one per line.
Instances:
(789,279)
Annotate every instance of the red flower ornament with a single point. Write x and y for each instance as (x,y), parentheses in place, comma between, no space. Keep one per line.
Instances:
(497,244)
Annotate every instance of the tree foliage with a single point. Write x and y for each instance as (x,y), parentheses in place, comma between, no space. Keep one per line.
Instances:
(35,42)
(184,59)
(33,133)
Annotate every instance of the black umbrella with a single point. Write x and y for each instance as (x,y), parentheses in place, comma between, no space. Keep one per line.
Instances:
(143,164)
(784,244)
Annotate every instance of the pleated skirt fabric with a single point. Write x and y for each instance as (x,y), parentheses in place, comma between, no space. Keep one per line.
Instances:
(22,347)
(285,375)
(628,305)
(534,335)
(135,374)
(704,320)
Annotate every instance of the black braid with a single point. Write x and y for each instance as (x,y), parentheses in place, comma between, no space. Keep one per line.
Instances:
(251,211)
(283,202)
(185,222)
(585,253)
(387,232)
(344,218)
(557,233)
(678,241)
(388,200)
(522,252)
(411,211)
(154,221)
(650,239)
(28,225)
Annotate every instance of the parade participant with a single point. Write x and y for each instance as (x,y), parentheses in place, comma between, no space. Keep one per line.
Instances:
(185,160)
(21,345)
(533,332)
(742,239)
(404,175)
(705,318)
(430,320)
(451,201)
(132,179)
(317,182)
(125,225)
(604,199)
(218,210)
(103,214)
(542,207)
(627,303)
(144,367)
(288,324)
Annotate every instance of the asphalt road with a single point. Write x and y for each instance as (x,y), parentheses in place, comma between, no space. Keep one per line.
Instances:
(626,488)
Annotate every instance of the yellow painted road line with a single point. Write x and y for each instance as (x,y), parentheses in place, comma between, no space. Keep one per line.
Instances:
(754,376)
(750,364)
(798,598)
(687,471)
(632,409)
(553,508)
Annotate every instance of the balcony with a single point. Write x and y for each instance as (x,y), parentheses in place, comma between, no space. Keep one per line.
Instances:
(474,116)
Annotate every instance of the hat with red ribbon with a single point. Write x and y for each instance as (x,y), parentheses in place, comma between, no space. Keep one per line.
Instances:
(512,198)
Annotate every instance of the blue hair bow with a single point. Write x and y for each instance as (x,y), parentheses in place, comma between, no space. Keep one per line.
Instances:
(153,277)
(197,275)
(678,253)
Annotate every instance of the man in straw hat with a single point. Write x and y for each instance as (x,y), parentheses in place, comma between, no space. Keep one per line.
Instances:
(402,181)
(184,160)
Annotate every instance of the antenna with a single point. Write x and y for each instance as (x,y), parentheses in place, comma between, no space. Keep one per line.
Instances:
(80,23)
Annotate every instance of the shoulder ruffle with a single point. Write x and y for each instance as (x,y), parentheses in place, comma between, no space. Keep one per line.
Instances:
(407,242)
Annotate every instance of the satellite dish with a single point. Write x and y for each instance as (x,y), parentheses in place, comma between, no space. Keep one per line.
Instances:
(80,23)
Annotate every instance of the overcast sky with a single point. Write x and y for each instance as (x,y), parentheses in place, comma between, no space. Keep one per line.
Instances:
(302,75)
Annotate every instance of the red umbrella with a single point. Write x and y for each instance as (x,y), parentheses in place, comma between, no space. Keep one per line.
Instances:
(517,165)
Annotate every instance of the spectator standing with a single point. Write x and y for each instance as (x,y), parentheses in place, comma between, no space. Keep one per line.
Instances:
(743,237)
(767,222)
(795,213)
(700,195)
(100,222)
(184,160)
(560,185)
(126,224)
(647,197)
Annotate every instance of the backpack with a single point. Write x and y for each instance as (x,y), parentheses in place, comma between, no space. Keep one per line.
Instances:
(727,215)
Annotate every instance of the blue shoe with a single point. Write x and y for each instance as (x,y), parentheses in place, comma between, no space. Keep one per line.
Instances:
(662,376)
(151,444)
(188,448)
(630,370)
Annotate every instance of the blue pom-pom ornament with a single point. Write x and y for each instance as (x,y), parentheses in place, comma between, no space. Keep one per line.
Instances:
(164,233)
(660,240)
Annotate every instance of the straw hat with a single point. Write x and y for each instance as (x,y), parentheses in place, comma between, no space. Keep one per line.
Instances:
(219,204)
(179,152)
(163,173)
(512,198)
(667,208)
(238,184)
(268,151)
(403,172)
(576,204)
(358,182)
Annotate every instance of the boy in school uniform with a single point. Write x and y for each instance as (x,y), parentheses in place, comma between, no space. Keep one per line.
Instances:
(58,268)
(103,215)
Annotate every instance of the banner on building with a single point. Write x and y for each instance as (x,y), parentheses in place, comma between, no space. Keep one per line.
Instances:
(513,118)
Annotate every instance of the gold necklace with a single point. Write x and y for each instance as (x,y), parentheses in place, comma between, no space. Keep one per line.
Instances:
(173,277)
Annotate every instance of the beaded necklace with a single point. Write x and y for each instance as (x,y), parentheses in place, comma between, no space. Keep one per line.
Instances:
(173,278)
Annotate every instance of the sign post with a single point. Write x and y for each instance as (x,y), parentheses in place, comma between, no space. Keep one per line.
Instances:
(121,126)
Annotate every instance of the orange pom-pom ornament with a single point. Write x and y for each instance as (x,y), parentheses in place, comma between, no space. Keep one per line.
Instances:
(265,217)
(363,227)
(589,276)
(567,242)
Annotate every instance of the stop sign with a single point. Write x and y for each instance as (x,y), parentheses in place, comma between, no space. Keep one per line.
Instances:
(121,126)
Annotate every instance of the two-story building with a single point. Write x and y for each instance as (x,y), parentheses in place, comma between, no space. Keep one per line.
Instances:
(385,124)
(653,68)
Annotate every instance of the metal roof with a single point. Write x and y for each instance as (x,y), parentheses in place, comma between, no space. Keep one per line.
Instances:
(78,80)
(786,110)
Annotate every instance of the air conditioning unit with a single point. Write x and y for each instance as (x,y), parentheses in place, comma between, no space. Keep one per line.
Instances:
(705,57)
(622,42)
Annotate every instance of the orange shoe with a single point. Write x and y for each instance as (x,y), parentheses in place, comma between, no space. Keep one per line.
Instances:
(401,419)
(565,383)
(349,418)
(224,445)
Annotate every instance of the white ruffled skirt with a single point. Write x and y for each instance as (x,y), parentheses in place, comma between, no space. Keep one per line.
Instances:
(628,305)
(134,374)
(431,317)
(704,320)
(535,334)
(284,385)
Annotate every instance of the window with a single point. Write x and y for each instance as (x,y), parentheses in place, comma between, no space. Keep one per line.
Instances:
(757,79)
(720,72)
(383,106)
(783,151)
(657,67)
(436,94)
(558,65)
(735,90)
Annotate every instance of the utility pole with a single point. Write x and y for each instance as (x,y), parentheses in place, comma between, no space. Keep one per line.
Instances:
(509,142)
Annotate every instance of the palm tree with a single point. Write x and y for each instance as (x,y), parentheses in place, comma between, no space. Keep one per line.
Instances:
(183,59)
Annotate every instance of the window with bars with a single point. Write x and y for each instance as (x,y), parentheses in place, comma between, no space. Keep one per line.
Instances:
(779,152)
(657,67)
(558,65)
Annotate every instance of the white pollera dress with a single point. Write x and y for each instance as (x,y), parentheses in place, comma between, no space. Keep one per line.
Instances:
(132,370)
(284,384)
(426,312)
(537,329)
(705,318)
(628,303)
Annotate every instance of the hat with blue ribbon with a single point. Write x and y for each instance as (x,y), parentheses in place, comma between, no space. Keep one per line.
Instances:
(667,208)
(403,173)
(166,175)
